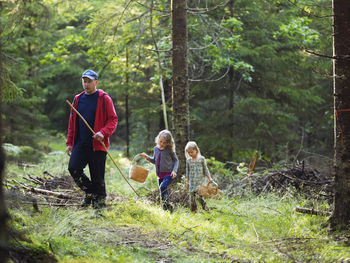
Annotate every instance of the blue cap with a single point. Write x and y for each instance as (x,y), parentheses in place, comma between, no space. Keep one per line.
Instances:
(90,74)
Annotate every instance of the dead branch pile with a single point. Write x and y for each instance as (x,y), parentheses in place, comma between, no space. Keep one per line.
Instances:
(306,181)
(47,189)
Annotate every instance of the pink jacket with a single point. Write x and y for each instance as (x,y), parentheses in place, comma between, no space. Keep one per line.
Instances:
(106,120)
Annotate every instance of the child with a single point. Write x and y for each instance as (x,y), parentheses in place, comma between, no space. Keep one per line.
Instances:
(196,171)
(166,162)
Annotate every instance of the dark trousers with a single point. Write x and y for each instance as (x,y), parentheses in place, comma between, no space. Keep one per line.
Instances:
(163,186)
(82,156)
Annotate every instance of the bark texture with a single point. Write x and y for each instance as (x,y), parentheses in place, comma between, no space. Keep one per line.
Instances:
(180,81)
(3,211)
(341,70)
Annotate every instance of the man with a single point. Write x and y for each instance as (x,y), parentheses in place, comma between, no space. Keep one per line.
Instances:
(83,147)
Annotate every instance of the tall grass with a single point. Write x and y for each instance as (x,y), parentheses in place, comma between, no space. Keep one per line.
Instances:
(252,228)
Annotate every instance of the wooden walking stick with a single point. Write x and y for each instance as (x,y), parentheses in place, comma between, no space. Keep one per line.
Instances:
(77,112)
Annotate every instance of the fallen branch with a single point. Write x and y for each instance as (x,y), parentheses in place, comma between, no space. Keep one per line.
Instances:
(44,192)
(47,173)
(52,204)
(312,211)
(38,181)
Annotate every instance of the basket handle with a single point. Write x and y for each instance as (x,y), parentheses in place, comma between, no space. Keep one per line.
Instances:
(216,185)
(213,184)
(134,159)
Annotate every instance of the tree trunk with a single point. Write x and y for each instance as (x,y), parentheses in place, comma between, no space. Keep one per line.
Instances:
(180,81)
(341,71)
(231,95)
(3,212)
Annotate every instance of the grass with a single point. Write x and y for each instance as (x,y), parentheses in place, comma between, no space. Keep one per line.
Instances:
(238,229)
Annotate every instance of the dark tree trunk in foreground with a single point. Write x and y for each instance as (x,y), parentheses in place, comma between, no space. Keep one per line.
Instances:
(341,70)
(180,81)
(3,212)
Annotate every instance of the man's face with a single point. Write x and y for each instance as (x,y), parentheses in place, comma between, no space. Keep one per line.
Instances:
(89,85)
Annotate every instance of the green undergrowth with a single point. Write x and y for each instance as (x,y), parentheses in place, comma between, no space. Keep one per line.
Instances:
(133,228)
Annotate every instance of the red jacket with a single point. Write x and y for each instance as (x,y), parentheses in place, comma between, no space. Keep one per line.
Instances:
(106,120)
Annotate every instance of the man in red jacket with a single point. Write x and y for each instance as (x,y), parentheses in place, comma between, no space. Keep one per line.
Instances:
(83,147)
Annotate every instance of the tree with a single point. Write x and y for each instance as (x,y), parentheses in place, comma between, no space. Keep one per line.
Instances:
(3,212)
(180,80)
(341,84)
(274,106)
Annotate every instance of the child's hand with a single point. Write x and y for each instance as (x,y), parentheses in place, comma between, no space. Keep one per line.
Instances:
(212,181)
(143,155)
(173,174)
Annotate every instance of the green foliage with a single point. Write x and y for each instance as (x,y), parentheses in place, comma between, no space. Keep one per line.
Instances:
(252,85)
(22,153)
(299,31)
(218,167)
(264,228)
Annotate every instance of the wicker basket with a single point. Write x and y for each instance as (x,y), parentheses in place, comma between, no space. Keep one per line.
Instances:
(137,173)
(210,192)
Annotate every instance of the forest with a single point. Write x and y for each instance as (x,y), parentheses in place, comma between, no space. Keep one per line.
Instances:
(256,93)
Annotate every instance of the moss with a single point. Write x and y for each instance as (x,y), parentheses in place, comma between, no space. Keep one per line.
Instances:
(28,252)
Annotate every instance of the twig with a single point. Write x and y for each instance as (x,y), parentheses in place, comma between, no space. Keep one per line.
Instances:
(188,229)
(35,179)
(326,56)
(47,173)
(257,236)
(30,180)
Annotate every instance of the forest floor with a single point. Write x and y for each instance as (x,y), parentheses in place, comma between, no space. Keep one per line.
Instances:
(257,220)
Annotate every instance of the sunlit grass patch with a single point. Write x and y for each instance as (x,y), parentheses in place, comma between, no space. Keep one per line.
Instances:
(135,228)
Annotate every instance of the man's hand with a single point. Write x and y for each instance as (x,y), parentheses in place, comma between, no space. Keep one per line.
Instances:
(173,174)
(69,150)
(98,136)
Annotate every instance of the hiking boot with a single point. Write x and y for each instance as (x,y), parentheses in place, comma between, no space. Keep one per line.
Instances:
(193,208)
(99,203)
(168,206)
(87,201)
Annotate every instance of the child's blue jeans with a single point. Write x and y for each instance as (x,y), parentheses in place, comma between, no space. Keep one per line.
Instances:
(163,186)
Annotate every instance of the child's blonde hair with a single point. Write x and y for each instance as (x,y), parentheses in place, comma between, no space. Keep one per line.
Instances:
(168,139)
(191,145)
